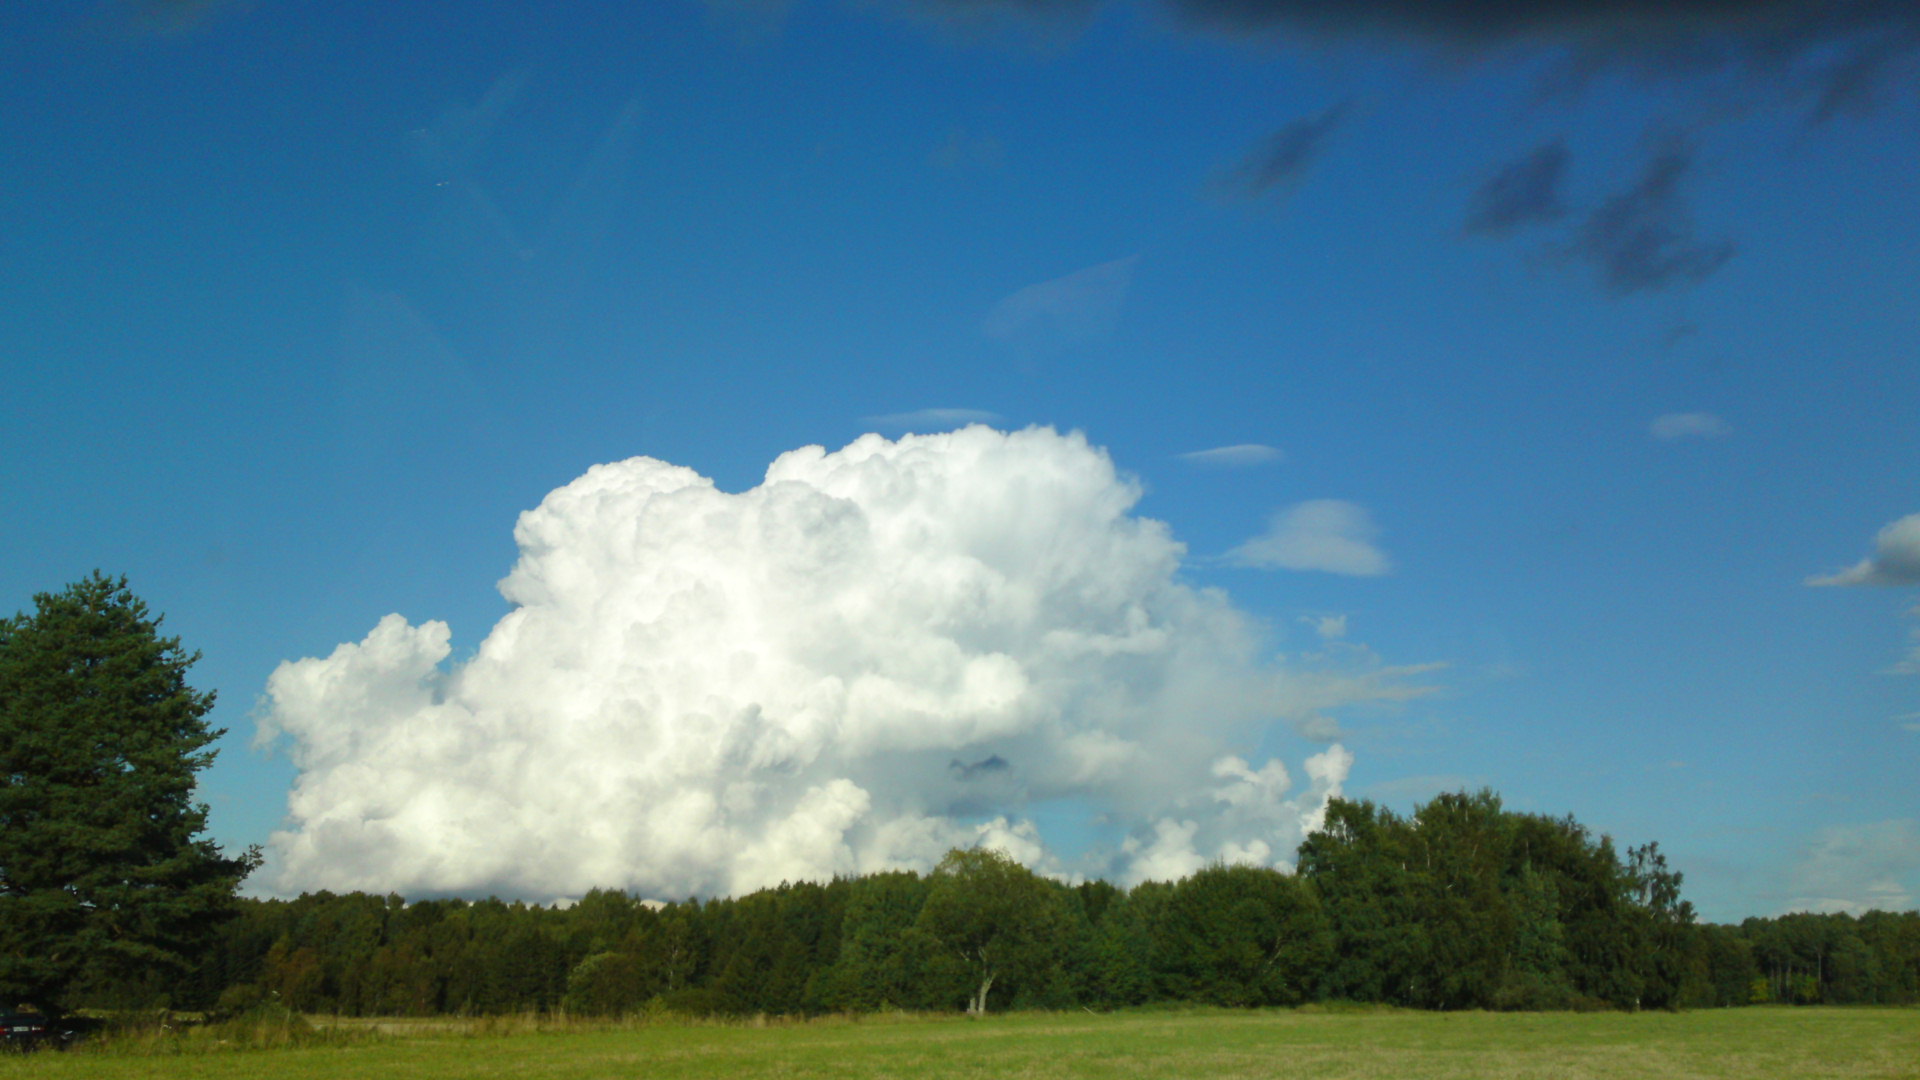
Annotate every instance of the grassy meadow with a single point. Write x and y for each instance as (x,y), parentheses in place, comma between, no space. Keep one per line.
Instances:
(1357,1045)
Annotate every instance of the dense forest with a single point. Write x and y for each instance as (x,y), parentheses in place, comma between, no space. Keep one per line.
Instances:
(1461,905)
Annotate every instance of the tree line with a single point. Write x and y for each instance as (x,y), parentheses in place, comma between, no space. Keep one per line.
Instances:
(111,896)
(1461,905)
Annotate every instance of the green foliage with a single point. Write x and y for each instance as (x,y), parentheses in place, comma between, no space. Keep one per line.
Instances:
(608,984)
(1240,935)
(1000,922)
(1554,920)
(1121,962)
(105,877)
(882,952)
(1469,905)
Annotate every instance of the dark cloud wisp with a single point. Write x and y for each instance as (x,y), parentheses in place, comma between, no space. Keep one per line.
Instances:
(1280,161)
(1838,52)
(1642,240)
(1525,192)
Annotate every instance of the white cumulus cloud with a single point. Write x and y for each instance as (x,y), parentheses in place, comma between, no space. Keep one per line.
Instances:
(874,655)
(1319,534)
(1895,559)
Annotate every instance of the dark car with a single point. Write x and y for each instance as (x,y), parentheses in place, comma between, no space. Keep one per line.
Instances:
(20,1031)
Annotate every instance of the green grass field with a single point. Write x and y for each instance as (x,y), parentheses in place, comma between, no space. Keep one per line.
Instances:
(1750,1044)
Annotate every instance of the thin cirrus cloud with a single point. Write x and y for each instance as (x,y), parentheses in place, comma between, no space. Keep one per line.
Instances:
(1328,535)
(1235,456)
(1670,427)
(932,419)
(1859,867)
(1910,663)
(1074,309)
(1895,559)
(880,653)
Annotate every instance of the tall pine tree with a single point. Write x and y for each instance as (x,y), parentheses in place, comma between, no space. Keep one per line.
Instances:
(104,873)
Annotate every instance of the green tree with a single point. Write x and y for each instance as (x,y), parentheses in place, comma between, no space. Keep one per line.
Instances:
(1241,935)
(104,873)
(881,951)
(1362,866)
(608,984)
(1123,944)
(999,920)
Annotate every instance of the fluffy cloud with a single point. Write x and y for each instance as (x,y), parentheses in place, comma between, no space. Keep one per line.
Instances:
(1688,425)
(1238,820)
(1857,868)
(1895,559)
(1320,534)
(874,655)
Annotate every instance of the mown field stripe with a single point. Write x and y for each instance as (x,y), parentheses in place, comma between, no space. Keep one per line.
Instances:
(1848,1044)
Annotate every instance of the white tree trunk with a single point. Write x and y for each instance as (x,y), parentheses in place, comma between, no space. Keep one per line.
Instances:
(977,1004)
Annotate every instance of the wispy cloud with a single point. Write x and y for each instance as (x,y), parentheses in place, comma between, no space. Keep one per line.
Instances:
(933,419)
(1239,454)
(1525,192)
(1858,868)
(1895,559)
(1278,164)
(1689,425)
(1081,307)
(1329,627)
(1328,535)
(1836,56)
(1642,239)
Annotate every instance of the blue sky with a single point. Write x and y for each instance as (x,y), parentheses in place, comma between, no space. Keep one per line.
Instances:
(303,305)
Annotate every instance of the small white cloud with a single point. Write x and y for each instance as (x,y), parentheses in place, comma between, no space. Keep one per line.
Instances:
(1910,663)
(1858,868)
(1329,627)
(1320,534)
(1241,454)
(1895,559)
(1688,425)
(1080,307)
(1909,722)
(930,420)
